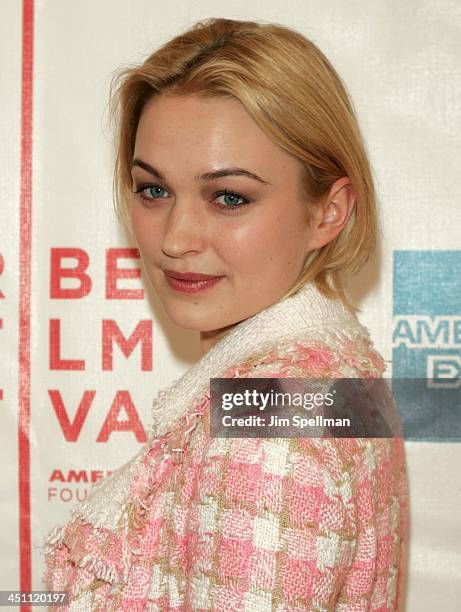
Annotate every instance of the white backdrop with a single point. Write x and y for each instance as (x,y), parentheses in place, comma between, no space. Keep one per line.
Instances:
(74,406)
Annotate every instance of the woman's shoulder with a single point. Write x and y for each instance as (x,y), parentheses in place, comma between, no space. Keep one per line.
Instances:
(328,355)
(335,356)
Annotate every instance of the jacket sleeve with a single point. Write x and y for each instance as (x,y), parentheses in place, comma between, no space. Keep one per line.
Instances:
(296,523)
(276,530)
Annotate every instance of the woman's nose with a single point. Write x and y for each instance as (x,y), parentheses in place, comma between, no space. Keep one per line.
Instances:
(183,231)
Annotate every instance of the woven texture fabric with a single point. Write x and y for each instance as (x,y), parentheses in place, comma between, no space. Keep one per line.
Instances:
(196,523)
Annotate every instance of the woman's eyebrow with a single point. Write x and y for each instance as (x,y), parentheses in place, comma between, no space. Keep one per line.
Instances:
(208,176)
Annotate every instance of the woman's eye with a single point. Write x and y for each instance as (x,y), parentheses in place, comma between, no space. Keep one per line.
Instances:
(228,200)
(231,200)
(154,192)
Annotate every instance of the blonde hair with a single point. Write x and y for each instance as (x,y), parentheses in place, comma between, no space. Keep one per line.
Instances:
(293,93)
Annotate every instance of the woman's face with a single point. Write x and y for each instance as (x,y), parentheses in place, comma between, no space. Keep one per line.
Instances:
(215,196)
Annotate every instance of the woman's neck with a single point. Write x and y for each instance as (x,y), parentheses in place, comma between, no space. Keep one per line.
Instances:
(209,338)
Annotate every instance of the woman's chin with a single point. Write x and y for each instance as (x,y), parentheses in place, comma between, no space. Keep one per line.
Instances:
(191,321)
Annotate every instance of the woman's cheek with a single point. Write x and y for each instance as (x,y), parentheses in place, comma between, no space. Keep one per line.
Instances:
(245,241)
(142,228)
(135,220)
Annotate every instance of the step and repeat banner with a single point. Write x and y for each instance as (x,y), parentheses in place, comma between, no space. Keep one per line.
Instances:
(85,347)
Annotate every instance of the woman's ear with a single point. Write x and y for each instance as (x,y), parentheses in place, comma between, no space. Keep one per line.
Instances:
(332,215)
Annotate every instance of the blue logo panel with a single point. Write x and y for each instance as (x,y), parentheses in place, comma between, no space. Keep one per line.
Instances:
(426,343)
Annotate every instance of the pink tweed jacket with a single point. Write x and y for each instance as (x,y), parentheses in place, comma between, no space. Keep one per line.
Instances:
(201,523)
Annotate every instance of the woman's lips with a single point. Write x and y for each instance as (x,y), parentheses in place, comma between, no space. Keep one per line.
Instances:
(190,282)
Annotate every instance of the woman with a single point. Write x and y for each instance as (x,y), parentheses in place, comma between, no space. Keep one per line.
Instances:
(242,174)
